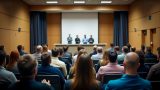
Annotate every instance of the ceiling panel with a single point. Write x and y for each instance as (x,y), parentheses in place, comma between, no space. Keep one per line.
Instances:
(71,2)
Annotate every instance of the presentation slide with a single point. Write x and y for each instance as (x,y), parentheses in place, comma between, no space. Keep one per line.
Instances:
(80,24)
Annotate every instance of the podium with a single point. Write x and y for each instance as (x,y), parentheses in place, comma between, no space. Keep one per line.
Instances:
(73,47)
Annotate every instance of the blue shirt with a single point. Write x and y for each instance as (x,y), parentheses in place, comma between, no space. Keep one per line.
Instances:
(129,82)
(51,70)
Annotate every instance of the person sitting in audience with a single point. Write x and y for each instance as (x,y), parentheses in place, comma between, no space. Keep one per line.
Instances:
(142,67)
(56,62)
(38,53)
(129,46)
(149,53)
(45,49)
(94,50)
(27,67)
(75,56)
(65,60)
(6,77)
(99,54)
(133,49)
(104,61)
(131,80)
(143,48)
(111,49)
(120,58)
(72,69)
(12,65)
(117,50)
(111,68)
(46,68)
(154,72)
(67,54)
(20,49)
(84,75)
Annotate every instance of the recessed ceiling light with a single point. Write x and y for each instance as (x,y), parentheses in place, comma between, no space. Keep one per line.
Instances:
(106,1)
(79,1)
(51,2)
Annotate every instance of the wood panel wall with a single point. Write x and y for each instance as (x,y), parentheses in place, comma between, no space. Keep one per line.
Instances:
(14,14)
(144,15)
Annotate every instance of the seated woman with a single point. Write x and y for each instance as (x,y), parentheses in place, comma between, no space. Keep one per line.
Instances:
(84,78)
(12,65)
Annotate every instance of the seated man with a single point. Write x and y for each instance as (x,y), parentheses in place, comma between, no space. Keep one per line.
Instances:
(91,40)
(27,66)
(38,53)
(57,63)
(77,40)
(130,80)
(46,68)
(99,54)
(6,77)
(149,53)
(120,57)
(111,68)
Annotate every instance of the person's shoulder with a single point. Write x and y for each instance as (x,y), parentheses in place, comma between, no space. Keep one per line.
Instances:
(145,82)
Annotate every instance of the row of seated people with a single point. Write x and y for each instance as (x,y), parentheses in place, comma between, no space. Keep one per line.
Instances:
(75,65)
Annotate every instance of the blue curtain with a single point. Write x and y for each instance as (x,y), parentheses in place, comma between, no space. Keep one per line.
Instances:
(120,28)
(38,29)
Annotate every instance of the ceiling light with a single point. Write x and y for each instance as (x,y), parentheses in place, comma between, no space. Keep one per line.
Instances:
(51,2)
(79,1)
(106,1)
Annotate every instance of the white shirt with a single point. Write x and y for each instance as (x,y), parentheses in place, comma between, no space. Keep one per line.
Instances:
(56,62)
(98,56)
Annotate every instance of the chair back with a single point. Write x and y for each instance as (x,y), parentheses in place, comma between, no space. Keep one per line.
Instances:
(54,80)
(107,78)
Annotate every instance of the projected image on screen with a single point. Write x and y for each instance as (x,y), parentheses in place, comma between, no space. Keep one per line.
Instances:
(79,24)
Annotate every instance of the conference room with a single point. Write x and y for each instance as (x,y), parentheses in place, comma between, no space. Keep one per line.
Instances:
(79,44)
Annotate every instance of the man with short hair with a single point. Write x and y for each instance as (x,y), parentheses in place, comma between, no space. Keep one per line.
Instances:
(69,39)
(38,53)
(46,68)
(27,67)
(85,40)
(111,68)
(20,49)
(6,77)
(120,57)
(99,54)
(91,40)
(111,49)
(131,80)
(77,40)
(56,62)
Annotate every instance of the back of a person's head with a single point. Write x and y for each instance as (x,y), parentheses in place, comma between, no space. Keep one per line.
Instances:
(19,47)
(14,56)
(112,57)
(112,44)
(141,56)
(84,74)
(128,45)
(2,57)
(27,66)
(116,48)
(39,49)
(45,48)
(142,47)
(99,49)
(65,48)
(105,55)
(79,48)
(46,59)
(55,52)
(125,49)
(148,49)
(61,51)
(131,61)
(2,47)
(95,47)
(133,49)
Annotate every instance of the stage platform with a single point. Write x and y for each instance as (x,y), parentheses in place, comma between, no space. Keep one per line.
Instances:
(73,47)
